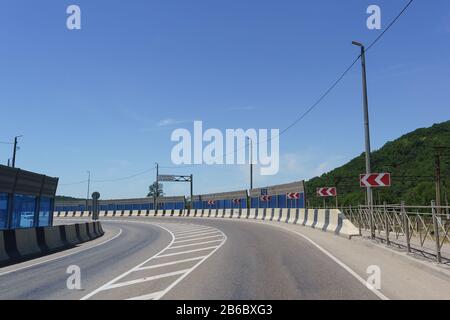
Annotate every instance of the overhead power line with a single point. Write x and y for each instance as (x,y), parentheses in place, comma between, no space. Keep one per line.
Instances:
(328,90)
(300,117)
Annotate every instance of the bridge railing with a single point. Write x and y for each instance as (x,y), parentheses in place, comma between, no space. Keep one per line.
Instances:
(420,229)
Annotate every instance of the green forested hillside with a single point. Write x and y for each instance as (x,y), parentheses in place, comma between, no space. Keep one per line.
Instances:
(411,161)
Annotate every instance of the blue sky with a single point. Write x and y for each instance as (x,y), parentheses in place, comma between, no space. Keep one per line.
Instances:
(107,97)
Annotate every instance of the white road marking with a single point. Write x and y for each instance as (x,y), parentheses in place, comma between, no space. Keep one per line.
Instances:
(153,266)
(136,281)
(113,284)
(149,296)
(183,252)
(195,239)
(195,235)
(62,256)
(195,244)
(182,234)
(189,230)
(332,257)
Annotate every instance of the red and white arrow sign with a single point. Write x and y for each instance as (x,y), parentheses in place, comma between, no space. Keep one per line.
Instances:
(293,195)
(375,180)
(327,192)
(211,202)
(265,198)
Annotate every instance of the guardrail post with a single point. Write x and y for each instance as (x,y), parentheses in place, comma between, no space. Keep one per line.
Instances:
(406,226)
(386,223)
(436,232)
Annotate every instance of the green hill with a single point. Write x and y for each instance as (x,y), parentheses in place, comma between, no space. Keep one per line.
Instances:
(411,161)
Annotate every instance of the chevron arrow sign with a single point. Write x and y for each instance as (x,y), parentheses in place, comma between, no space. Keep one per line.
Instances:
(327,192)
(375,180)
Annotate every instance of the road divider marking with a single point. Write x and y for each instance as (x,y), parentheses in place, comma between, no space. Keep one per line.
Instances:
(146,279)
(195,239)
(195,244)
(115,283)
(193,232)
(183,252)
(153,266)
(201,234)
(149,296)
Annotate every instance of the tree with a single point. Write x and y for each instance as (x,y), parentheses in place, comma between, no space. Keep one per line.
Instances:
(155,190)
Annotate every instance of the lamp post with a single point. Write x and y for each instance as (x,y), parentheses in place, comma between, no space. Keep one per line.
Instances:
(15,151)
(88,188)
(251,163)
(366,131)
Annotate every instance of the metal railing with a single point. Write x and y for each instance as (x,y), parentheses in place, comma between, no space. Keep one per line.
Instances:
(423,229)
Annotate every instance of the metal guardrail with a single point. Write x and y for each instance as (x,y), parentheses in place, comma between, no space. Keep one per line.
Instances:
(418,228)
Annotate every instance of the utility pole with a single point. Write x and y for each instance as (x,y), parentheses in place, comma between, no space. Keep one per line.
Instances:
(192,190)
(14,152)
(156,193)
(251,163)
(366,132)
(437,166)
(88,188)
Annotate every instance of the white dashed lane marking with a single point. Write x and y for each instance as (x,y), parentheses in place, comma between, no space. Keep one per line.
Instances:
(190,246)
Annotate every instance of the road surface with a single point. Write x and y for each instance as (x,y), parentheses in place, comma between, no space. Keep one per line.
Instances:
(179,259)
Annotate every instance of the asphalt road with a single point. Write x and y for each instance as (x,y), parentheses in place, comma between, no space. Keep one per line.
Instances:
(175,259)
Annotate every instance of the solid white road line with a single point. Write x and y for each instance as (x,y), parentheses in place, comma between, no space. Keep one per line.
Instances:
(332,257)
(195,239)
(195,244)
(153,266)
(145,279)
(62,256)
(183,252)
(200,234)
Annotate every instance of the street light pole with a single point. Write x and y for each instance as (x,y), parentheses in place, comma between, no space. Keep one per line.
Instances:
(88,188)
(251,163)
(156,193)
(366,131)
(14,152)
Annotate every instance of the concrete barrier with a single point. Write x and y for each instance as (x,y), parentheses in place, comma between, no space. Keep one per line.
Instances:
(329,220)
(82,232)
(293,216)
(53,239)
(91,231)
(71,234)
(3,254)
(26,242)
(22,244)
